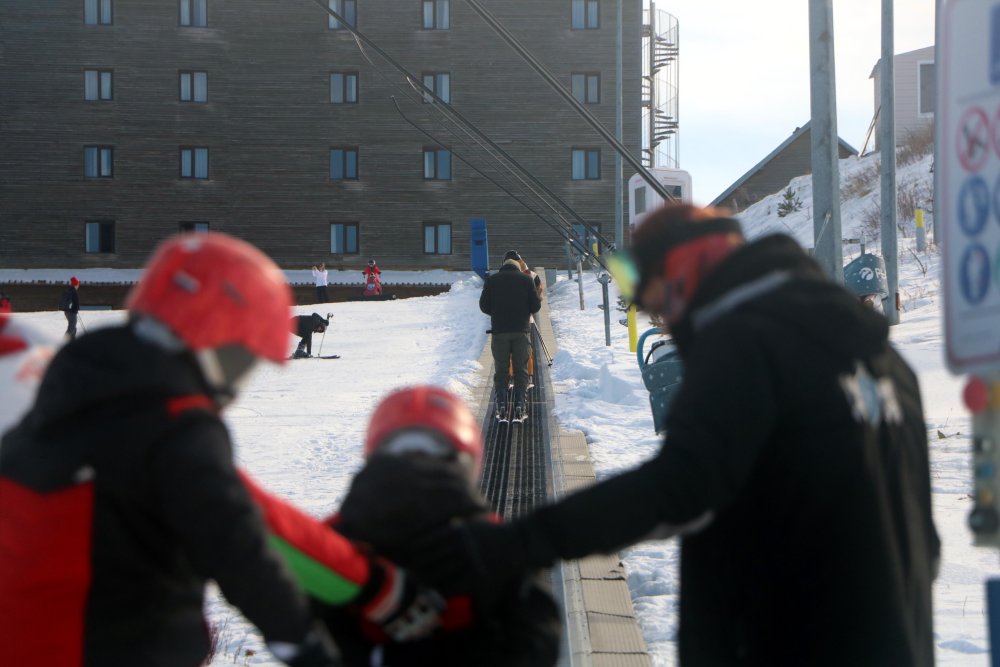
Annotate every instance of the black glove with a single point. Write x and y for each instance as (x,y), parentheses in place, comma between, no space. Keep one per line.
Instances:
(316,650)
(480,558)
(398,604)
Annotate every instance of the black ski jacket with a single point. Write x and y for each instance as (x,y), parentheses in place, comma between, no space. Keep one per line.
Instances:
(118,500)
(798,435)
(392,503)
(509,298)
(70,300)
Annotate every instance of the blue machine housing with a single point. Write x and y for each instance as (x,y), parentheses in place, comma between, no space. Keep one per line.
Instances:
(480,248)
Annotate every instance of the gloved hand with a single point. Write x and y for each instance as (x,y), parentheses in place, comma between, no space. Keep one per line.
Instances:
(480,558)
(316,650)
(399,605)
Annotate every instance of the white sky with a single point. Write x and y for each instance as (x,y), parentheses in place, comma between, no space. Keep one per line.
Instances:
(744,76)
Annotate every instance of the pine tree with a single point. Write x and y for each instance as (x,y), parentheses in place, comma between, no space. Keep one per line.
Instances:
(789,204)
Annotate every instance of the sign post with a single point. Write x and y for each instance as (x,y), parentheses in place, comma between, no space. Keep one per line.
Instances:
(967,200)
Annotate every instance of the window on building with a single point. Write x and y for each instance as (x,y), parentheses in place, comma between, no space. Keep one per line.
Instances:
(437,238)
(343,88)
(97,85)
(926,89)
(347,9)
(344,238)
(193,226)
(99,236)
(98,161)
(437,15)
(440,83)
(640,200)
(437,164)
(586,164)
(97,12)
(194,86)
(586,87)
(194,162)
(194,13)
(586,14)
(344,164)
(585,239)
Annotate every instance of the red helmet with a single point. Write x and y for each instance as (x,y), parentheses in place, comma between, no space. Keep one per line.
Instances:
(214,291)
(426,408)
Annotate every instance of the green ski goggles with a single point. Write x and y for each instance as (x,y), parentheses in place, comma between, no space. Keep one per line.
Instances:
(623,268)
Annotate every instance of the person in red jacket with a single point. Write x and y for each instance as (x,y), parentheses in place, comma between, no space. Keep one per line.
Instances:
(119,498)
(423,457)
(373,279)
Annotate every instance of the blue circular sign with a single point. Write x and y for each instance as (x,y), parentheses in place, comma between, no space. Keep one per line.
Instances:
(974,205)
(974,276)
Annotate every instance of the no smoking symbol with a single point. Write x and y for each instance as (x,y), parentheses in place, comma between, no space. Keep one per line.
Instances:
(974,139)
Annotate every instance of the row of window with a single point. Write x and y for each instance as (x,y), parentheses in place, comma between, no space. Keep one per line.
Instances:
(435,14)
(99,236)
(98,86)
(98,162)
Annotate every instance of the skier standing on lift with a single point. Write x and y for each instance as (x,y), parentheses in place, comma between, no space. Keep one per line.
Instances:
(424,443)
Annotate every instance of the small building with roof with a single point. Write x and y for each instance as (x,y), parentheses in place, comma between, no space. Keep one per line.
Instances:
(793,157)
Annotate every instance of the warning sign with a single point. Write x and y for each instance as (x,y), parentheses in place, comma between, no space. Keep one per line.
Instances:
(967,189)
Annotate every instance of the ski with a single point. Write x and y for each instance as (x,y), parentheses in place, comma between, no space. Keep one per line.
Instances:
(326,356)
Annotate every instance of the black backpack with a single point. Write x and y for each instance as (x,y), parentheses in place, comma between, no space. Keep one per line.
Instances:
(66,302)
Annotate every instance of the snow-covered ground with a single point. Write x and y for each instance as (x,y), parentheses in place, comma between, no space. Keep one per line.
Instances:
(299,428)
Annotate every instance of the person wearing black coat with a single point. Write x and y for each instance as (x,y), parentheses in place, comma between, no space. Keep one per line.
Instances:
(70,305)
(424,455)
(795,465)
(509,298)
(304,326)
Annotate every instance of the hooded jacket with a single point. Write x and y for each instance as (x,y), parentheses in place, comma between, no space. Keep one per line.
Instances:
(393,502)
(509,298)
(118,500)
(796,456)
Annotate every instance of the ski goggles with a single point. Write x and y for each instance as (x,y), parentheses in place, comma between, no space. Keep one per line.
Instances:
(624,270)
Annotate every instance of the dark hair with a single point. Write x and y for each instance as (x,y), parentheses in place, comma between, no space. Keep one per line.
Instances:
(512,254)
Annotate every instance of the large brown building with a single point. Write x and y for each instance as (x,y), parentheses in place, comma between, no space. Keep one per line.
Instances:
(123,121)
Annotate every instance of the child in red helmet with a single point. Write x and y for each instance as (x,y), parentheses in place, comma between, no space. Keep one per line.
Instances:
(424,452)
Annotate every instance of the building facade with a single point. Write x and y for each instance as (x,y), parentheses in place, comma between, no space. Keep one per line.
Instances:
(914,93)
(122,122)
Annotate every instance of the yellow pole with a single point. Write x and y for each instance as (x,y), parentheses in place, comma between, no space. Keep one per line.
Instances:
(633,335)
(594,248)
(920,218)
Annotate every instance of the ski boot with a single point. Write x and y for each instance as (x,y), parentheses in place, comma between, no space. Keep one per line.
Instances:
(300,353)
(520,413)
(501,410)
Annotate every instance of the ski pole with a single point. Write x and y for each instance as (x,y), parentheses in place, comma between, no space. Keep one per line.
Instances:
(80,320)
(328,316)
(545,350)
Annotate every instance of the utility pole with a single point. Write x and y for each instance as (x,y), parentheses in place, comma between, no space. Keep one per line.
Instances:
(887,141)
(825,169)
(619,222)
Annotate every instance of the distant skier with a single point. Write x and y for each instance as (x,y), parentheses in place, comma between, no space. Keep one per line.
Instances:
(423,452)
(509,298)
(373,279)
(304,326)
(5,304)
(70,305)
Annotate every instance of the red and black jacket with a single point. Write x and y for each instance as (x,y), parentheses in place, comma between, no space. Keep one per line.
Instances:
(118,500)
